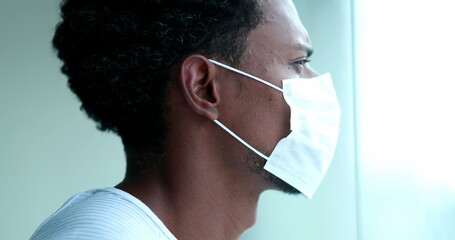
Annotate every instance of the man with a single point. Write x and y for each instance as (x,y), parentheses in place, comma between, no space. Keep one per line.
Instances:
(158,73)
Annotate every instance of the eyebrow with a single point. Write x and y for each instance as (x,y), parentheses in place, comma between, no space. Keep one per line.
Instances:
(305,47)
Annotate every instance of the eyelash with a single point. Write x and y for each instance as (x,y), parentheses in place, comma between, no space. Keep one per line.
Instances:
(302,61)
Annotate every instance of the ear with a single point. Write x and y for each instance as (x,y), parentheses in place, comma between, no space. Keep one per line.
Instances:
(199,88)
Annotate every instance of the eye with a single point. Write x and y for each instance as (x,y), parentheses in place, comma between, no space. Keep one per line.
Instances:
(302,61)
(299,65)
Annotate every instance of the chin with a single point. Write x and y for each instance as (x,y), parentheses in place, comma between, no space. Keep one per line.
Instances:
(255,164)
(279,184)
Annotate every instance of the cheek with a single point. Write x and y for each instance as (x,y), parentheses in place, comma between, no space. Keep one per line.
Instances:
(279,114)
(271,119)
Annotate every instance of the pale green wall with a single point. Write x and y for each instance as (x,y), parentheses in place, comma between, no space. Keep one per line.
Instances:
(49,150)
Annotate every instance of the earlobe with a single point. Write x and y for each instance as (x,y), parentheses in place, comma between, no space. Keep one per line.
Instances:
(199,88)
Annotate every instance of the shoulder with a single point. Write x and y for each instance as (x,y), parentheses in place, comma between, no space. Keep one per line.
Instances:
(107,213)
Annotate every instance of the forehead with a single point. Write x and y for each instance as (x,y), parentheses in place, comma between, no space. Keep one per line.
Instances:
(282,31)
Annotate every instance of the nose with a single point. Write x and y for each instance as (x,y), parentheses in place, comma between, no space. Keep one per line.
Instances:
(310,72)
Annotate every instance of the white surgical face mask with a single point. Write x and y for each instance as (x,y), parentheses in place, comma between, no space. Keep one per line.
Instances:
(303,157)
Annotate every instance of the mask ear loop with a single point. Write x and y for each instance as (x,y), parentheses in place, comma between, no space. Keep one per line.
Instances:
(227,129)
(241,140)
(246,74)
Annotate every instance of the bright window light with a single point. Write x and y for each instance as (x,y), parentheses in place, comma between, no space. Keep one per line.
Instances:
(405,63)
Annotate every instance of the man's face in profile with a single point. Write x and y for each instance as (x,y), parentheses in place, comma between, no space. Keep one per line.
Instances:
(276,50)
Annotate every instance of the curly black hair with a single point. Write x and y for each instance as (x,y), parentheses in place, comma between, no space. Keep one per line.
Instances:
(118,56)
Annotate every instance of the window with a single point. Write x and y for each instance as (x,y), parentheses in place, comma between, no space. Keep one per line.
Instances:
(406,118)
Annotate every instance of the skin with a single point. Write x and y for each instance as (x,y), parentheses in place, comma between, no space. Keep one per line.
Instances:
(208,184)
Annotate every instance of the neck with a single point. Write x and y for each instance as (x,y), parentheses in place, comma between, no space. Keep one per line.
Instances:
(197,194)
